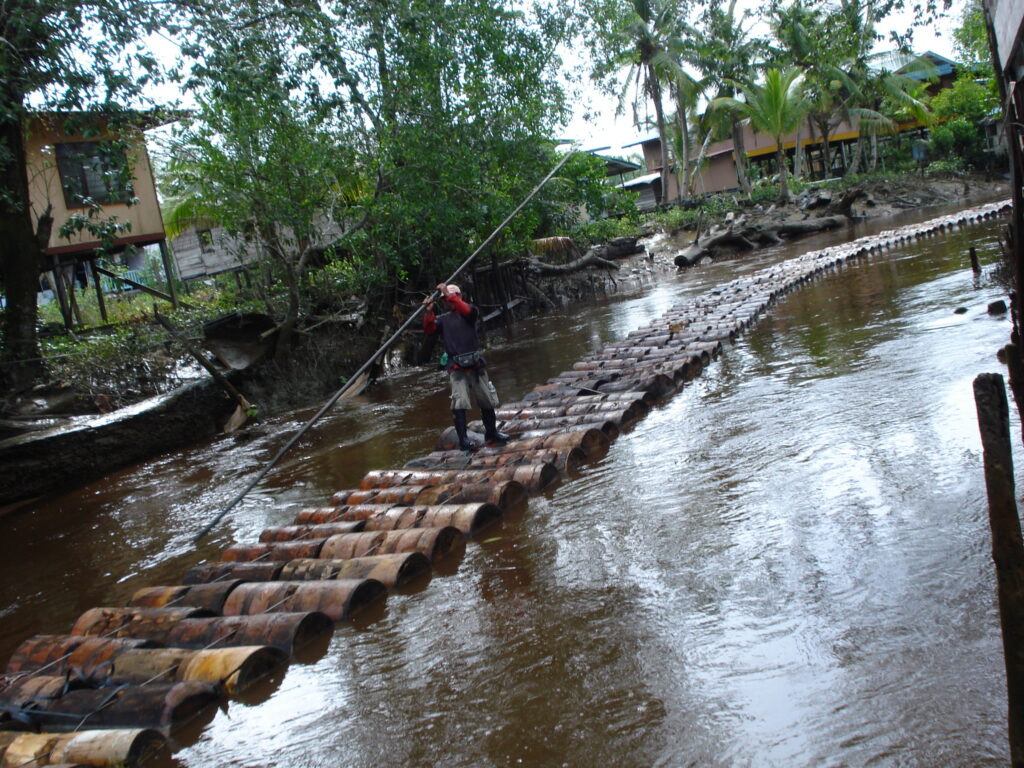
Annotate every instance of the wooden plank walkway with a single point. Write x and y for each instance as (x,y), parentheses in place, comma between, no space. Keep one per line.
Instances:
(124,678)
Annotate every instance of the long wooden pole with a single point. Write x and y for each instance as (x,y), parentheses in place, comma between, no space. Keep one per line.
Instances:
(1007,545)
(365,367)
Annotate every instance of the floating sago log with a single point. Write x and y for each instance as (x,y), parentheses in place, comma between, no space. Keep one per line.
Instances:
(564,389)
(657,383)
(101,661)
(319,515)
(609,420)
(286,631)
(467,518)
(678,371)
(568,461)
(338,598)
(541,398)
(246,571)
(27,690)
(319,531)
(587,378)
(209,596)
(533,477)
(435,543)
(507,413)
(569,407)
(274,550)
(590,437)
(399,495)
(610,431)
(59,653)
(167,706)
(612,363)
(234,669)
(395,570)
(504,495)
(125,747)
(639,407)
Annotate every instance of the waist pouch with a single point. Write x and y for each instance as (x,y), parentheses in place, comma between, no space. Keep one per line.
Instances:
(467,360)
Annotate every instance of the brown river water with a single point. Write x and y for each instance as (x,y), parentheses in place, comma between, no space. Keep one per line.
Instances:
(785,564)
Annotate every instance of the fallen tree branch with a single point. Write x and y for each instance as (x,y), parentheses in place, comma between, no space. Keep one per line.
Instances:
(746,236)
(590,259)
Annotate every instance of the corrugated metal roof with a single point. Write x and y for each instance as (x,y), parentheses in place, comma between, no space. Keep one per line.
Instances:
(640,181)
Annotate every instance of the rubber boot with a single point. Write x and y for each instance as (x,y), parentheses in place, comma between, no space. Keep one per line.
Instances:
(459,417)
(491,433)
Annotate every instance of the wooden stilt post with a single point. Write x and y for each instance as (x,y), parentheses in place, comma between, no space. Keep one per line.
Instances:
(99,290)
(1007,547)
(172,289)
(62,296)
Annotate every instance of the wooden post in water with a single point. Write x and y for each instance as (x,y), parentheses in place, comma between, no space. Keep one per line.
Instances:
(1015,367)
(1007,547)
(975,264)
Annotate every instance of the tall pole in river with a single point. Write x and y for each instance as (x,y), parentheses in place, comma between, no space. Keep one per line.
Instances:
(1007,546)
(380,351)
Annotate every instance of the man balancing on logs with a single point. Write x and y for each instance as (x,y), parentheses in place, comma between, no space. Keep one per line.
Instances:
(467,372)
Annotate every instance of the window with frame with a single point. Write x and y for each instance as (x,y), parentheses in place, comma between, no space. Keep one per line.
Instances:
(93,170)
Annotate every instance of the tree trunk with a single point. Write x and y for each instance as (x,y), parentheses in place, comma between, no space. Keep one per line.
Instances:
(684,129)
(654,88)
(20,266)
(739,153)
(798,153)
(780,160)
(826,150)
(858,150)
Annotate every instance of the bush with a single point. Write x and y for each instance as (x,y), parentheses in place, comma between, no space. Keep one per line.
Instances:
(602,230)
(945,166)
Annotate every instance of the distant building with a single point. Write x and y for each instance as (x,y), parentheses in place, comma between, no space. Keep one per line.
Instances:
(75,158)
(718,172)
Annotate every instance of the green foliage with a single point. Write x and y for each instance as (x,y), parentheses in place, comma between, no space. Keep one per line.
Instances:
(580,194)
(971,38)
(603,230)
(945,166)
(956,139)
(775,108)
(966,99)
(431,135)
(962,107)
(635,41)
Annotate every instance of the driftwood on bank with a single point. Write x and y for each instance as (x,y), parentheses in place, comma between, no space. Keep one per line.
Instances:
(590,259)
(596,256)
(745,235)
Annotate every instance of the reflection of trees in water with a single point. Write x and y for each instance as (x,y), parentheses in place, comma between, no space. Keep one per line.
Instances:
(861,301)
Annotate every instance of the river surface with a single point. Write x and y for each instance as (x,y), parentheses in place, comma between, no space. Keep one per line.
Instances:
(785,564)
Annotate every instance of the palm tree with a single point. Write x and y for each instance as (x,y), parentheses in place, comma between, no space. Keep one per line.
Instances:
(726,54)
(636,37)
(775,108)
(685,90)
